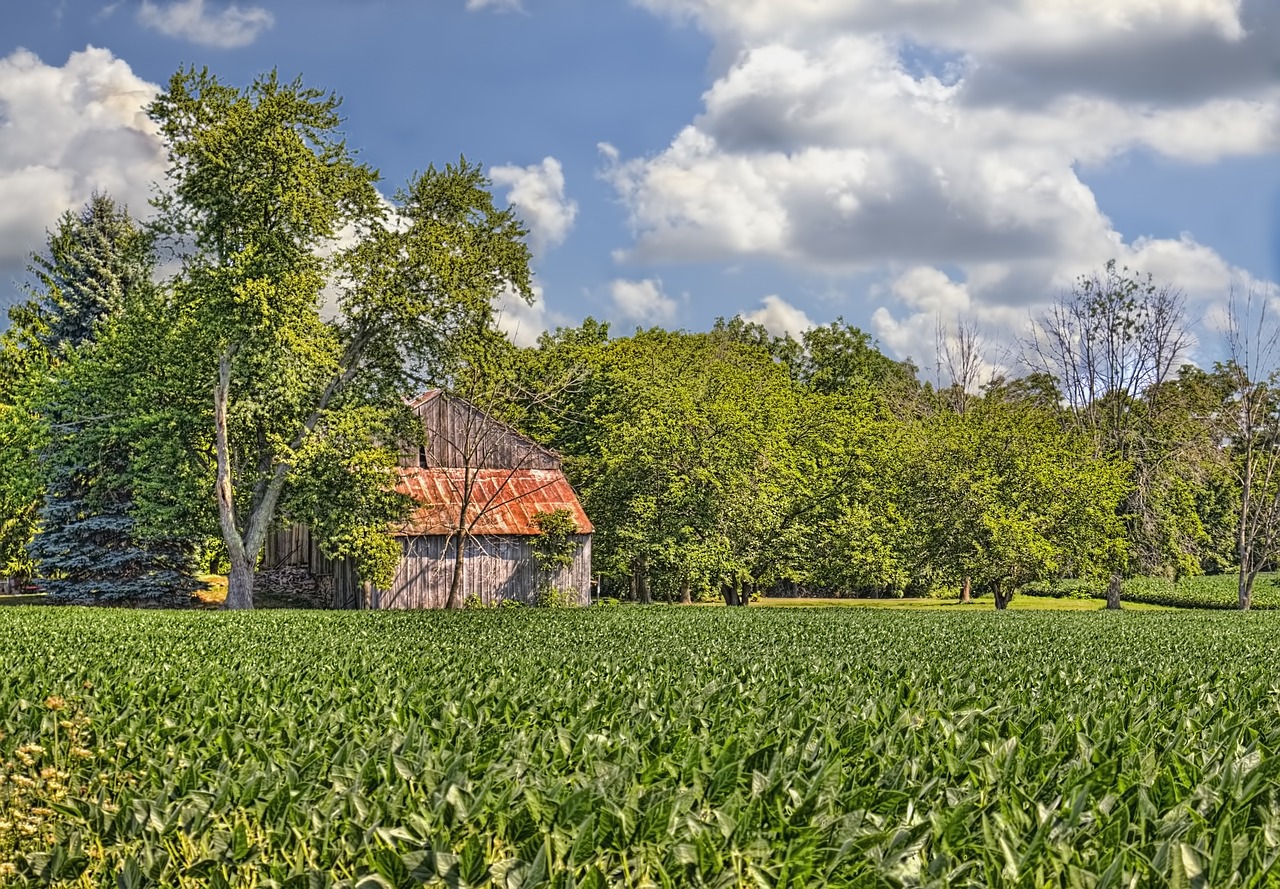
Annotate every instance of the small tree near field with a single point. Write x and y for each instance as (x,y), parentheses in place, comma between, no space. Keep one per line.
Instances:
(553,551)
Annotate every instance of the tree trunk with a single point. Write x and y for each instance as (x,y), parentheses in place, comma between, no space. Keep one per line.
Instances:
(744,595)
(1003,598)
(242,549)
(642,581)
(1113,592)
(1244,588)
(239,585)
(966,590)
(730,594)
(459,566)
(686,593)
(240,581)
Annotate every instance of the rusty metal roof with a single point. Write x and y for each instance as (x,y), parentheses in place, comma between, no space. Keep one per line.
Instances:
(502,501)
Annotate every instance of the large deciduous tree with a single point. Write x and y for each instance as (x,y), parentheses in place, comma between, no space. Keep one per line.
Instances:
(308,304)
(683,445)
(1002,493)
(1250,422)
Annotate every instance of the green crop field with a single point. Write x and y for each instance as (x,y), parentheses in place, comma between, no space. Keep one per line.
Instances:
(630,747)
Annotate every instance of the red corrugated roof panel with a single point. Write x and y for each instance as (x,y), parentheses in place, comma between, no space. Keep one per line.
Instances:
(501,501)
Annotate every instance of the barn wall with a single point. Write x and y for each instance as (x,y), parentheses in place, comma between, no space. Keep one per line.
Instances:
(294,547)
(459,434)
(497,568)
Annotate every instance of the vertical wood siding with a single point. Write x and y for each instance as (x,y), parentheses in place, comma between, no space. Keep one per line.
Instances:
(294,547)
(459,434)
(495,568)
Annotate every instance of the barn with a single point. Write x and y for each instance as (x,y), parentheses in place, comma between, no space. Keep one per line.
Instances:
(475,480)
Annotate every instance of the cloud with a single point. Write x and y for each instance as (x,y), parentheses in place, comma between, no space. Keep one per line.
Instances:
(69,131)
(643,302)
(779,317)
(537,191)
(1005,300)
(500,5)
(935,144)
(229,28)
(524,322)
(972,25)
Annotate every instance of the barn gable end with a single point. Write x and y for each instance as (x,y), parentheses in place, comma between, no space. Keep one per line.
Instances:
(460,434)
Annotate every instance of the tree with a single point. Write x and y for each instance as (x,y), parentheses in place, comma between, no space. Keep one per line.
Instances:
(692,470)
(1005,495)
(850,533)
(1111,344)
(260,185)
(89,545)
(839,357)
(22,438)
(1251,423)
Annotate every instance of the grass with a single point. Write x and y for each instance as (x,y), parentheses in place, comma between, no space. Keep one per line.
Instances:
(1019,603)
(1140,594)
(24,599)
(1206,591)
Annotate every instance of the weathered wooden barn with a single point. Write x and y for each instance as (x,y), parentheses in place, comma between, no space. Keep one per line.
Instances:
(475,480)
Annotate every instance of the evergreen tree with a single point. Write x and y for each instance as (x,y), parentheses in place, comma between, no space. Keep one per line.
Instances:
(88,546)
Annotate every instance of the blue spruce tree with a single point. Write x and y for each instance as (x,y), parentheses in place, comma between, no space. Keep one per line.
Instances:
(88,547)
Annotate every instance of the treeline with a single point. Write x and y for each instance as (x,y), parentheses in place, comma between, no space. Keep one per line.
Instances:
(719,463)
(155,425)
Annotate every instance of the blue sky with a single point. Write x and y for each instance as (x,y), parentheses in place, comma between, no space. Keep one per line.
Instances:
(902,164)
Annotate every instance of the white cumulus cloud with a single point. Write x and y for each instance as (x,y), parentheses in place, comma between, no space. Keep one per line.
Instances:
(68,131)
(643,301)
(510,5)
(935,144)
(537,191)
(780,317)
(524,322)
(228,27)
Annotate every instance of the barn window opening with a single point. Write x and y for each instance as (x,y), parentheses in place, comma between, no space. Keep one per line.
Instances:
(422,456)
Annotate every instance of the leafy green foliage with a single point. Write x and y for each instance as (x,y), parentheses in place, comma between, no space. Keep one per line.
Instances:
(89,545)
(1003,494)
(710,747)
(23,435)
(343,490)
(553,551)
(553,547)
(697,465)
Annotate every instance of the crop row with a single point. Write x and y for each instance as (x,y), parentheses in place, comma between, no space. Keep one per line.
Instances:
(707,747)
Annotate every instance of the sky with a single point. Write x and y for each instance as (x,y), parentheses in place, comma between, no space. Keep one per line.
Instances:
(907,165)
